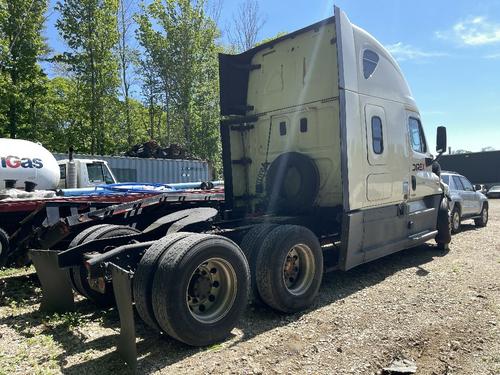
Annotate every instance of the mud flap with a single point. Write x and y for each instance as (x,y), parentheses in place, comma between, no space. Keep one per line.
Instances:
(57,293)
(122,287)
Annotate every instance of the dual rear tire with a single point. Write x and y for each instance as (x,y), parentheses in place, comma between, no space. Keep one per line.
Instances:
(286,263)
(193,287)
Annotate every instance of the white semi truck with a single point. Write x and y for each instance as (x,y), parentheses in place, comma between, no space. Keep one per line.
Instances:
(326,166)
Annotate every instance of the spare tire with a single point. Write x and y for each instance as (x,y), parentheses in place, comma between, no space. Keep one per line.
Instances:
(292,183)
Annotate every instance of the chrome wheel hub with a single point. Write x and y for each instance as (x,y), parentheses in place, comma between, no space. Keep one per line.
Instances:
(299,269)
(211,290)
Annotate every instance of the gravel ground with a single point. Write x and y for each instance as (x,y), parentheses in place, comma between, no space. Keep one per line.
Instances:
(439,310)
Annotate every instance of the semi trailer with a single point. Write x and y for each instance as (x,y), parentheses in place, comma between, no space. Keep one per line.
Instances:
(36,190)
(326,167)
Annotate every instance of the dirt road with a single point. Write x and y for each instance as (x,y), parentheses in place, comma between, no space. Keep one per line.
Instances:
(440,310)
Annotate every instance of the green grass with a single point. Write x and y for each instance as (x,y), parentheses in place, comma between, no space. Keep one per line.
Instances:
(67,320)
(12,272)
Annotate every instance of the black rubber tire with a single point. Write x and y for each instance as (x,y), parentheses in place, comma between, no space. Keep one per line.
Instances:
(277,182)
(171,282)
(251,245)
(443,223)
(78,274)
(78,240)
(482,221)
(4,247)
(455,228)
(270,262)
(144,276)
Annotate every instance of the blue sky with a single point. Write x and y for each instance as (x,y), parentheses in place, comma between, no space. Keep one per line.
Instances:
(448,50)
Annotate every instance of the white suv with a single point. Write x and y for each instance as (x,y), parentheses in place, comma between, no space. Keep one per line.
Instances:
(466,202)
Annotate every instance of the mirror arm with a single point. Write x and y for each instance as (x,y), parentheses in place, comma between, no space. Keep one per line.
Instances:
(438,156)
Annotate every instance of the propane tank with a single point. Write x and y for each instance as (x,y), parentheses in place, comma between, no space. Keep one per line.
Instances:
(71,180)
(27,163)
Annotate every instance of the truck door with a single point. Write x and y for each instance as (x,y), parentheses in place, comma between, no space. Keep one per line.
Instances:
(379,181)
(422,181)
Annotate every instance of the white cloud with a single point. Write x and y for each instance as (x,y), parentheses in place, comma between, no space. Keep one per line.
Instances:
(492,56)
(403,52)
(474,31)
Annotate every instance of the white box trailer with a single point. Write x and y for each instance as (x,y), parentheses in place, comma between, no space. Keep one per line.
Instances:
(326,166)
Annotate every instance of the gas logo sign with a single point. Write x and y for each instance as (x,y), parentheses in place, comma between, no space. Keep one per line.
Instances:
(17,162)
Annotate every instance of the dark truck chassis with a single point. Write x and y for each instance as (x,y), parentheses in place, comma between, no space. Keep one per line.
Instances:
(52,224)
(113,261)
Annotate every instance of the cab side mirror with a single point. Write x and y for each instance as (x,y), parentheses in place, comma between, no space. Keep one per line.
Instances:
(441,140)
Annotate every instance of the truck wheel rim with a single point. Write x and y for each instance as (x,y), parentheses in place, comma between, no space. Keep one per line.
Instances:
(299,269)
(211,290)
(456,220)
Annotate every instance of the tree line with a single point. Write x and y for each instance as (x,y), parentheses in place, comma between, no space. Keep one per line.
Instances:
(166,50)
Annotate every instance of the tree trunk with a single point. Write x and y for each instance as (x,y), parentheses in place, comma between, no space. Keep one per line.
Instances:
(124,63)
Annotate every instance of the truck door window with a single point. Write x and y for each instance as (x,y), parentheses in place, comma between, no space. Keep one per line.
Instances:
(377,135)
(466,183)
(458,183)
(417,137)
(107,175)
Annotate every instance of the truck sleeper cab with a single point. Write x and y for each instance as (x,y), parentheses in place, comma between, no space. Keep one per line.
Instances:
(331,94)
(326,166)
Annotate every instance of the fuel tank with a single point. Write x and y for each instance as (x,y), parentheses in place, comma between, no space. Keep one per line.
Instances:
(27,162)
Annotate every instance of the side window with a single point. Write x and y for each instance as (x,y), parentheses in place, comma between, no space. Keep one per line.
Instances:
(446,179)
(417,137)
(62,171)
(370,61)
(466,183)
(458,183)
(377,135)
